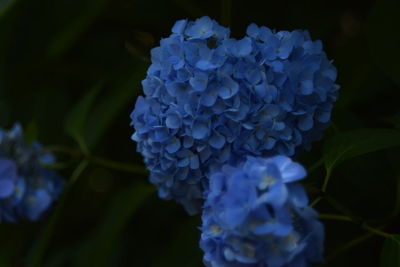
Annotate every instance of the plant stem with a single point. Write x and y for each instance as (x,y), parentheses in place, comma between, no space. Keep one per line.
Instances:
(363,225)
(340,208)
(326,180)
(108,163)
(352,243)
(315,202)
(335,217)
(324,186)
(116,165)
(316,165)
(375,231)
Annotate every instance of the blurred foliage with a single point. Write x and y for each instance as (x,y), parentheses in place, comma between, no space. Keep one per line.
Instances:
(70,71)
(391,252)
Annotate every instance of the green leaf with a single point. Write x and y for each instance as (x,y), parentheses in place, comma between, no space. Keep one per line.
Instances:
(88,121)
(97,251)
(66,37)
(77,117)
(346,145)
(110,105)
(6,5)
(390,255)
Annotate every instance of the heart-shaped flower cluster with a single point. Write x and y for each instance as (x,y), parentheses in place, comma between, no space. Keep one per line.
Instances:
(255,215)
(209,99)
(27,189)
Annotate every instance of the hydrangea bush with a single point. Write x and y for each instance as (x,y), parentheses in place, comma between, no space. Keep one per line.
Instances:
(209,99)
(255,215)
(27,189)
(222,122)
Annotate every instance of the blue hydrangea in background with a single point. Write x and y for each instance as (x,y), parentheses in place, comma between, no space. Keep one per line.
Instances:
(255,215)
(27,189)
(210,99)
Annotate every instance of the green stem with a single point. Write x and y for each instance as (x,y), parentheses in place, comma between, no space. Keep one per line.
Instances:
(324,186)
(335,217)
(315,202)
(326,180)
(376,231)
(108,163)
(340,208)
(116,165)
(316,165)
(58,165)
(65,150)
(363,225)
(352,243)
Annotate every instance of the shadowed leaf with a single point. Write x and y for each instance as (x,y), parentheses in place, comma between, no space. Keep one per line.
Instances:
(6,5)
(390,255)
(77,117)
(109,106)
(346,145)
(66,37)
(100,247)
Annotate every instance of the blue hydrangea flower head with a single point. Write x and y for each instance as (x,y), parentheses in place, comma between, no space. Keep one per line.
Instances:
(27,189)
(209,99)
(255,215)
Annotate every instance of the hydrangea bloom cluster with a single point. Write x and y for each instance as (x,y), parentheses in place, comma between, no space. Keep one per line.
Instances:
(210,99)
(27,190)
(255,215)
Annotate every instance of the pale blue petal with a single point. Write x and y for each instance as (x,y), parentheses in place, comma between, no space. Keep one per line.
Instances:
(200,129)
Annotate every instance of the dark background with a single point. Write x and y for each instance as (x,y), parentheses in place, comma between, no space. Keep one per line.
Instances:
(68,59)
